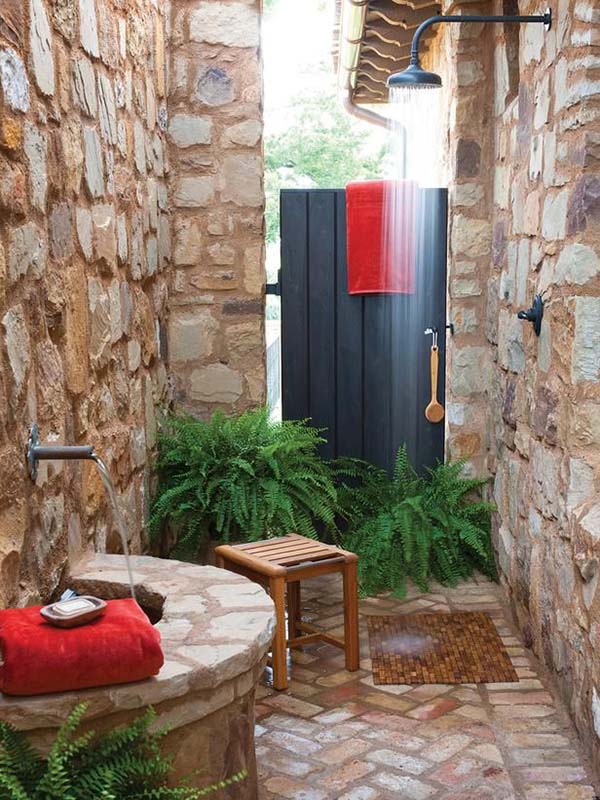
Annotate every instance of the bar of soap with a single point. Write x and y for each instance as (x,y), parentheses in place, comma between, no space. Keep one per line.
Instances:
(75,606)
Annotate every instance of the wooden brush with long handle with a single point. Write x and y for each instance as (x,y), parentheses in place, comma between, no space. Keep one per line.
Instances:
(435,410)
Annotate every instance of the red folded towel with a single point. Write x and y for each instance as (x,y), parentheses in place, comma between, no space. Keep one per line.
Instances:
(37,658)
(380,236)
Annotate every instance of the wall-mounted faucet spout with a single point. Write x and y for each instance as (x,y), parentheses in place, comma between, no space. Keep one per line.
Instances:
(53,452)
(37,452)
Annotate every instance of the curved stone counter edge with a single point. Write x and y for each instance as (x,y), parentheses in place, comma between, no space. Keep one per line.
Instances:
(216,629)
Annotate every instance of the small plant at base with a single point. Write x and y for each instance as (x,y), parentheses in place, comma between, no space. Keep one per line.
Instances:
(416,527)
(124,764)
(241,477)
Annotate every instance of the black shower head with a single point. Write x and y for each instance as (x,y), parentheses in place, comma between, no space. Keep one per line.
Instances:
(416,77)
(419,78)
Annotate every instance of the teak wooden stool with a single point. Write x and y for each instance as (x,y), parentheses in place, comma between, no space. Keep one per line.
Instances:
(284,562)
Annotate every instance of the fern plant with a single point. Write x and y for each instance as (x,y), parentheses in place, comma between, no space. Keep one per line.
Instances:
(124,764)
(411,526)
(241,477)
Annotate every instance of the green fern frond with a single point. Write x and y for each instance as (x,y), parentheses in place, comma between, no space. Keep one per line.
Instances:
(242,477)
(123,764)
(410,526)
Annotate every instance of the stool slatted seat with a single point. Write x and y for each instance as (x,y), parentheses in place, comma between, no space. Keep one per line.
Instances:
(280,565)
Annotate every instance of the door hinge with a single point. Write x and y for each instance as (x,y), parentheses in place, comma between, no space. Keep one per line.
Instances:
(274,288)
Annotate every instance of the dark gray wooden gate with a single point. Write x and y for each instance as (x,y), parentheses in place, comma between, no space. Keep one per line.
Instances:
(359,365)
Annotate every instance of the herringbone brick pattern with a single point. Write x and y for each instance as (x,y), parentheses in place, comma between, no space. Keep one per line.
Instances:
(336,736)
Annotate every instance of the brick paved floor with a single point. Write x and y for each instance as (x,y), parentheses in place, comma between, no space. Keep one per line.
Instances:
(335,736)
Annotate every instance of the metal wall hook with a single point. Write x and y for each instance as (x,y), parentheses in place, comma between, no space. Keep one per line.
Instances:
(534,314)
(433,332)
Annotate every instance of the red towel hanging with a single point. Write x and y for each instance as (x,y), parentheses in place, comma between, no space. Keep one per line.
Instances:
(380,237)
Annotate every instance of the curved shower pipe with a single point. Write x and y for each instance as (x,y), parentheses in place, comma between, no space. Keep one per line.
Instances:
(353,24)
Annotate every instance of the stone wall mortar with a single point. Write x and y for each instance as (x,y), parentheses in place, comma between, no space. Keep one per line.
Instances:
(84,242)
(216,330)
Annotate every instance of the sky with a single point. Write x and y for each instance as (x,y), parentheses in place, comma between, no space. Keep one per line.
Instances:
(297,44)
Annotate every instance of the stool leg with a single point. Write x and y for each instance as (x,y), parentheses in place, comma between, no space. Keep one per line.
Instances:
(293,609)
(351,640)
(277,589)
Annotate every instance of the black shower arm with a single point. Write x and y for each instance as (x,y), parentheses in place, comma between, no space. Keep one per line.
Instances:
(545,19)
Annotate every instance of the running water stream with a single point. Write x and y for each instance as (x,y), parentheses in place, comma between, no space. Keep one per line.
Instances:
(117,515)
(416,163)
(413,253)
(417,135)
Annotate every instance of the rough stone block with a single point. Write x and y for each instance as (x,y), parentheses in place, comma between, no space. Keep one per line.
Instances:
(585,363)
(139,147)
(18,349)
(470,370)
(231,24)
(61,231)
(13,79)
(89,27)
(511,355)
(584,204)
(12,21)
(577,264)
(213,86)
(35,145)
(107,108)
(585,425)
(13,188)
(554,216)
(104,237)
(64,17)
(191,335)
(84,86)
(40,42)
(72,155)
(469,73)
(216,383)
(187,130)
(27,252)
(194,192)
(465,288)
(581,483)
(246,133)
(468,158)
(545,480)
(471,238)
(100,324)
(83,222)
(94,163)
(241,180)
(467,194)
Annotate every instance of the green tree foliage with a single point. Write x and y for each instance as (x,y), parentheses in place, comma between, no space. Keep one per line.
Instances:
(411,526)
(241,477)
(321,147)
(124,764)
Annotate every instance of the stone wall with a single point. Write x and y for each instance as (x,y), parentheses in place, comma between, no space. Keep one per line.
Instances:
(84,240)
(525,194)
(216,328)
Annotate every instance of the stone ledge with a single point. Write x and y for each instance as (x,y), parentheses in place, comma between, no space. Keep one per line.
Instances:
(216,628)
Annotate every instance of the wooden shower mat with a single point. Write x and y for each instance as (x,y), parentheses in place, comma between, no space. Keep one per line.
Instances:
(461,647)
